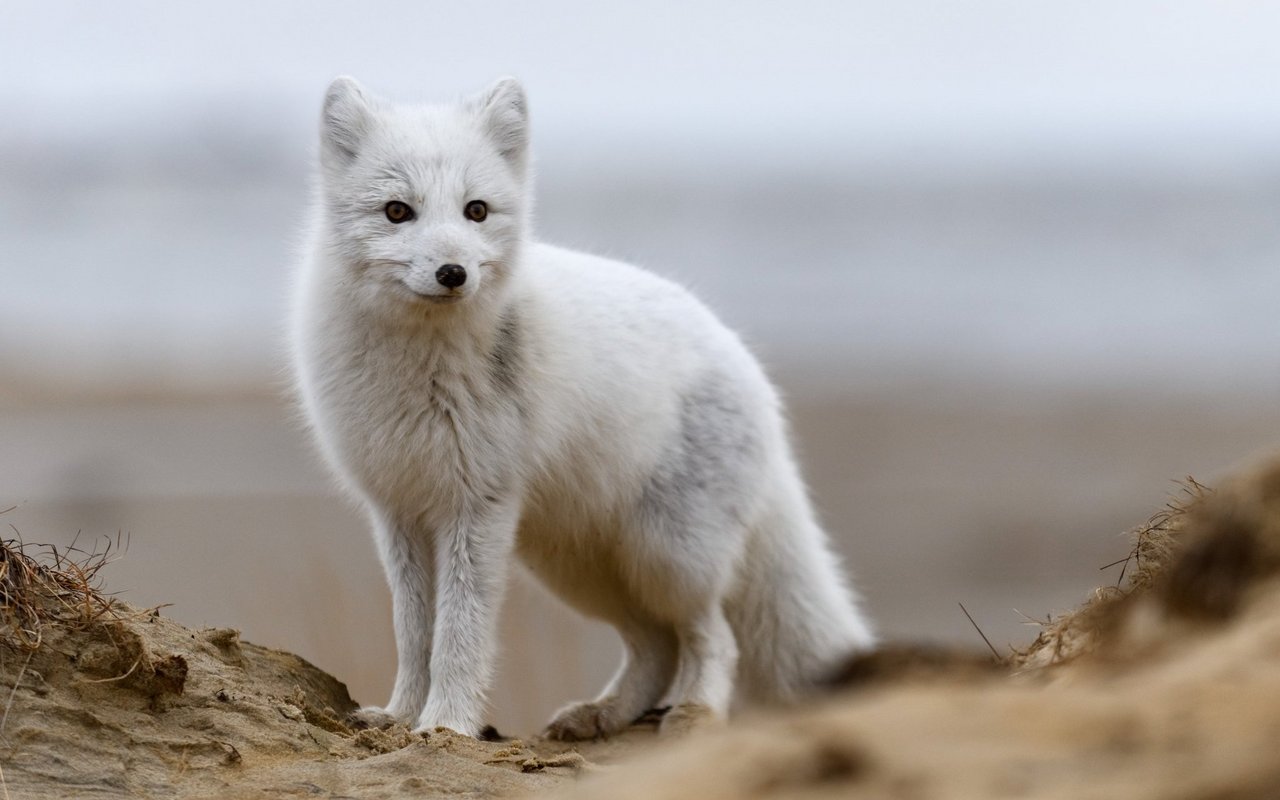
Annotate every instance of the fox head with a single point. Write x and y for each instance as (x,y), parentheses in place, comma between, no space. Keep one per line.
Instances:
(425,207)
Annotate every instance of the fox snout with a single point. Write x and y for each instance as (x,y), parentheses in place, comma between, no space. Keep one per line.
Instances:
(450,280)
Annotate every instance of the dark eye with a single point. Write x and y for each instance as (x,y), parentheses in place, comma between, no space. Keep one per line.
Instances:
(398,212)
(476,210)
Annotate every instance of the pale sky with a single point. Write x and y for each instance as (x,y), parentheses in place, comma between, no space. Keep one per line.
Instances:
(998,76)
(127,116)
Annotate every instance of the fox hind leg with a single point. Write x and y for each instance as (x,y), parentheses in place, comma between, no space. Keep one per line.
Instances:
(708,660)
(648,666)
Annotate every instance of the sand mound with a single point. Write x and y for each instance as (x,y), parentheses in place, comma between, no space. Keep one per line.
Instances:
(1167,686)
(101,699)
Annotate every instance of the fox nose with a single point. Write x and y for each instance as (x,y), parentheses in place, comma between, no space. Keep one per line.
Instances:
(451,276)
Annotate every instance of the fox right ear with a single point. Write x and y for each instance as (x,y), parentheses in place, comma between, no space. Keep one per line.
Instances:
(345,122)
(504,113)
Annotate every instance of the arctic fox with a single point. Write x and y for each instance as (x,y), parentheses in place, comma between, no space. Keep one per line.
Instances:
(488,397)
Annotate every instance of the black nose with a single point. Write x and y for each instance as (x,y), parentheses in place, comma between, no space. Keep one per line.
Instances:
(451,275)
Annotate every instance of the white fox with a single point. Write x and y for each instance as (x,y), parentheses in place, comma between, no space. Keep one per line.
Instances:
(485,396)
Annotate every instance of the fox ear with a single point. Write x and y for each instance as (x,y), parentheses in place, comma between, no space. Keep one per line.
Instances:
(504,113)
(345,122)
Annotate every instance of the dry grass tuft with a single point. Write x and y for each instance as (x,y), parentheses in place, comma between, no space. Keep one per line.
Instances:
(43,585)
(1156,546)
(1154,541)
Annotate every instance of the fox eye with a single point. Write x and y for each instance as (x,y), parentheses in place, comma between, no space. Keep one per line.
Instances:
(476,210)
(398,212)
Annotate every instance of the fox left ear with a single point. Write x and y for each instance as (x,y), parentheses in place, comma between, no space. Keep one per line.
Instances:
(345,122)
(504,113)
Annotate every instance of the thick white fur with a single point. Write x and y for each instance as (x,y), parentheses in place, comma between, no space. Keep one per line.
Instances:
(587,416)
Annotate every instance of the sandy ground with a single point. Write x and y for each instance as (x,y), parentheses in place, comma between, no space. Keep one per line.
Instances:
(141,706)
(1166,688)
(1169,689)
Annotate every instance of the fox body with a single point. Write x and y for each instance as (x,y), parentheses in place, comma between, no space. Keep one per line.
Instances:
(487,397)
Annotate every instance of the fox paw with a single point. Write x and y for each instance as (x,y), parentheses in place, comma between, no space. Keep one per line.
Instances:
(589,720)
(370,717)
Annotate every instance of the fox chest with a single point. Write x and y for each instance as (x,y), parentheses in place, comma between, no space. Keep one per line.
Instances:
(428,437)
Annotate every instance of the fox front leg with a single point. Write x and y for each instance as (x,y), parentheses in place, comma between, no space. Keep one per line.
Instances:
(472,556)
(409,562)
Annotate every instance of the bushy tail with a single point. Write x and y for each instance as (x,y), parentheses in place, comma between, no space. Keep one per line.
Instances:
(793,615)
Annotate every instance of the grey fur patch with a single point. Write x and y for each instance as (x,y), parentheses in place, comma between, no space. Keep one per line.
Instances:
(705,477)
(505,358)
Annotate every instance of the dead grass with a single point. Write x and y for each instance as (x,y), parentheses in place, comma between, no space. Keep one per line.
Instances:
(1194,562)
(1155,545)
(1154,541)
(43,585)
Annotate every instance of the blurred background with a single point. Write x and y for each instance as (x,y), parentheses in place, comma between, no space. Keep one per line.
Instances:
(1014,265)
